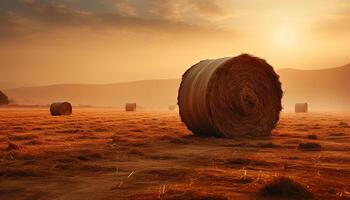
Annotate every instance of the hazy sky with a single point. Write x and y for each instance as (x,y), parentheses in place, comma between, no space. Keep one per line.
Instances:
(104,41)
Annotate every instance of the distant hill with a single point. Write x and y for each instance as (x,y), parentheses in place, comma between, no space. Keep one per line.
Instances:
(9,85)
(326,89)
(146,93)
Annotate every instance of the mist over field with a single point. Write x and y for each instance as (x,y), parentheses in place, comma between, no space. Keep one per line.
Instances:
(324,89)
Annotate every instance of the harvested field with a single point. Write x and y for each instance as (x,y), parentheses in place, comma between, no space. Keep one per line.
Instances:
(111,154)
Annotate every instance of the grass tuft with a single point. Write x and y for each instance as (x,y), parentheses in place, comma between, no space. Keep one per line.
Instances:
(285,187)
(12,146)
(312,136)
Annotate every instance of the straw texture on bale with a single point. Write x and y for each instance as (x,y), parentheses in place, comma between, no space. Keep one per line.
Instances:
(130,107)
(230,97)
(301,107)
(61,108)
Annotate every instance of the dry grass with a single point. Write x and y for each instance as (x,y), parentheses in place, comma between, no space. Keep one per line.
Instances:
(22,137)
(343,125)
(109,154)
(191,195)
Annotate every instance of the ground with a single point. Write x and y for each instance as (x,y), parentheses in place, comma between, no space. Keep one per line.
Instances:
(111,154)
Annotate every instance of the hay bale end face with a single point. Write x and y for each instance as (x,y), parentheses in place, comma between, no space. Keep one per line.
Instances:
(61,108)
(301,107)
(130,107)
(230,97)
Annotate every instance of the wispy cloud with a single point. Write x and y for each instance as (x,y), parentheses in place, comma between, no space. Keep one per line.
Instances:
(209,8)
(28,17)
(337,22)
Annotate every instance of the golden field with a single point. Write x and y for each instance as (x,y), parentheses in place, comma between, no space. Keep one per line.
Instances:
(111,154)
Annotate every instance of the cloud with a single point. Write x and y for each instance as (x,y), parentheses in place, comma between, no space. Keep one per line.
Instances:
(12,25)
(209,8)
(166,9)
(180,9)
(337,22)
(34,17)
(125,9)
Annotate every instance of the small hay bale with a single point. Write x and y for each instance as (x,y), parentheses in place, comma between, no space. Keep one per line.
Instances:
(172,107)
(285,187)
(60,108)
(130,107)
(301,107)
(230,97)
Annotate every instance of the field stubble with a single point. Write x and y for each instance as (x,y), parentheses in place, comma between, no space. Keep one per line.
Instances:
(110,154)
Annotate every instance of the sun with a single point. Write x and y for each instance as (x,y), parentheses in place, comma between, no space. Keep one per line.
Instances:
(285,37)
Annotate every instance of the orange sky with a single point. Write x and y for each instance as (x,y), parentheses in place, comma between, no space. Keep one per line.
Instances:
(104,41)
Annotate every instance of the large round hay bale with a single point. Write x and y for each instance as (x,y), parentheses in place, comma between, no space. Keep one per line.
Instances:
(230,97)
(301,107)
(130,107)
(61,108)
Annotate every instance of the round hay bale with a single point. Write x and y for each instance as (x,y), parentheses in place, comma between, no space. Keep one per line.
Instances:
(230,97)
(301,107)
(61,108)
(129,107)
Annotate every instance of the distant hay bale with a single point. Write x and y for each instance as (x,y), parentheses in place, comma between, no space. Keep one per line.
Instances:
(130,107)
(60,108)
(301,107)
(230,97)
(172,107)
